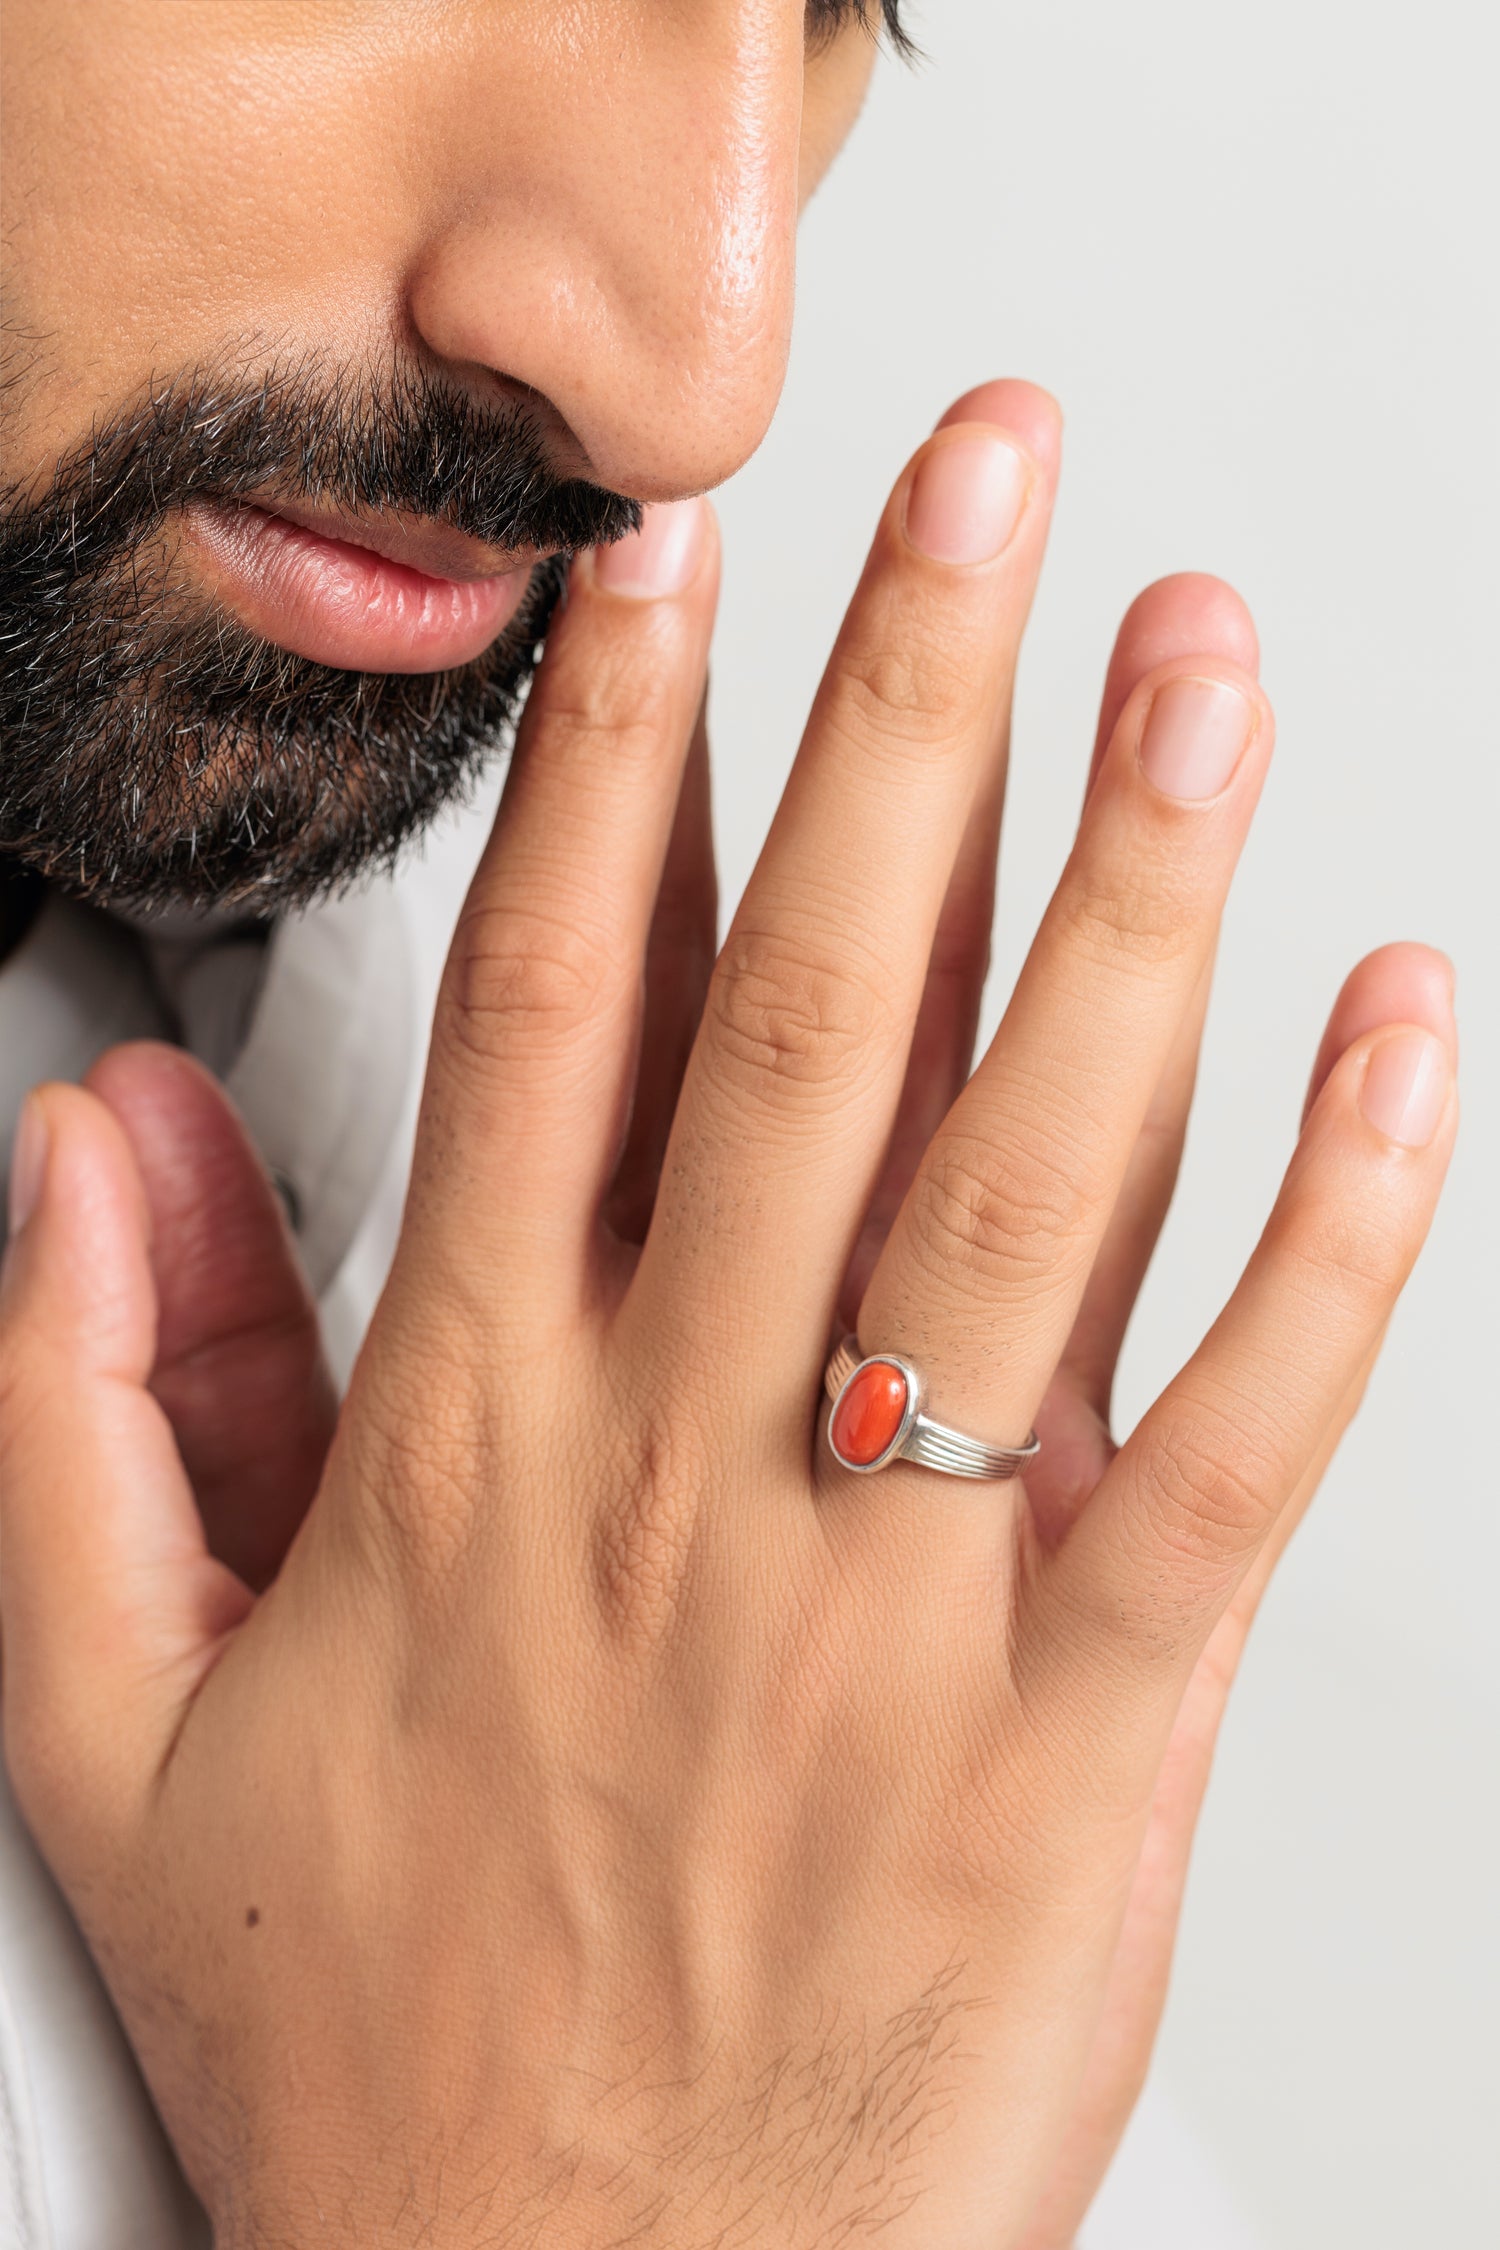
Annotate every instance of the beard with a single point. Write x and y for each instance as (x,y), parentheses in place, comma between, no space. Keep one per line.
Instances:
(159,754)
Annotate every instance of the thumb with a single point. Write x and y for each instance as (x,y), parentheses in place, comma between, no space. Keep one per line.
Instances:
(239,1367)
(111,1606)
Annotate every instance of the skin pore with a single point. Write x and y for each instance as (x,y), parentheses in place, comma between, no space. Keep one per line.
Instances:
(475,182)
(296,415)
(548,1787)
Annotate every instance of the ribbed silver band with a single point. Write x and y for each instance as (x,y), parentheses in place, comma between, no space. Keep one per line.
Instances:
(931,1444)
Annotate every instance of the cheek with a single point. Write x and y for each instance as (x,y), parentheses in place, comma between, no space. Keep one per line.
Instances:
(167,193)
(838,78)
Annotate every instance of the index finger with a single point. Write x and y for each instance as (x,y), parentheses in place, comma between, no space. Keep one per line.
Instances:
(528,1083)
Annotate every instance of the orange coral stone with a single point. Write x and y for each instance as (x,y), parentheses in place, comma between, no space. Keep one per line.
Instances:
(869,1414)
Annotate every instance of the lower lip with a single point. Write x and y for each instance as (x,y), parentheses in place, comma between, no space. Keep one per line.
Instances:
(344,605)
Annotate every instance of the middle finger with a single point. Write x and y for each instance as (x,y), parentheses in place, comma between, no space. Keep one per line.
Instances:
(794,1080)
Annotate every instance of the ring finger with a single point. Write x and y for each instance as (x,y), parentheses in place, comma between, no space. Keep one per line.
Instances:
(986,1267)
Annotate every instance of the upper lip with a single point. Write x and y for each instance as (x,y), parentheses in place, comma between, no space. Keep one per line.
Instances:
(421,543)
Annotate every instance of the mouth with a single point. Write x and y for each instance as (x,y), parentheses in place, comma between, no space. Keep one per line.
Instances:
(361,594)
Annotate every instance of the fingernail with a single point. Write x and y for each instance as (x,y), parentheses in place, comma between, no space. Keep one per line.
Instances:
(28,1162)
(1406,1087)
(661,558)
(966,498)
(1195,735)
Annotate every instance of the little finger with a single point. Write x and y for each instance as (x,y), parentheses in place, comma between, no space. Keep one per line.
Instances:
(1200,1487)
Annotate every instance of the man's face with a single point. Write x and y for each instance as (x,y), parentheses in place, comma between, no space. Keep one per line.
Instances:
(330,326)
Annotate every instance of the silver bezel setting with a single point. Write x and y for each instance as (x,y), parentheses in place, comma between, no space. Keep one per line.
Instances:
(906,1425)
(920,1440)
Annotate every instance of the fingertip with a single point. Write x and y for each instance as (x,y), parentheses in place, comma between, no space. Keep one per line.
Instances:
(663,559)
(175,1113)
(1254,727)
(1188,612)
(1031,413)
(1405,979)
(81,1251)
(1406,1085)
(1401,983)
(1399,1078)
(140,1061)
(81,1150)
(1206,664)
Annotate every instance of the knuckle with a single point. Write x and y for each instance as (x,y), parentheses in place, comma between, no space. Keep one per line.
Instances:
(522,983)
(995,1212)
(1139,913)
(779,1014)
(917,688)
(643,1540)
(610,718)
(422,1466)
(1351,1256)
(1211,1487)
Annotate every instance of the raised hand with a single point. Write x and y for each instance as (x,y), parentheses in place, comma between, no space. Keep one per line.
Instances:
(617,1821)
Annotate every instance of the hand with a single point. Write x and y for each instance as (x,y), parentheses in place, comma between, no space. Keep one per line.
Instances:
(614,1821)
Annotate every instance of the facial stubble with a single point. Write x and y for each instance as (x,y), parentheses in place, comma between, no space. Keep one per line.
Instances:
(158,753)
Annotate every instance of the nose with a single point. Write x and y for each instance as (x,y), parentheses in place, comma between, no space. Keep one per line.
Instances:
(614,233)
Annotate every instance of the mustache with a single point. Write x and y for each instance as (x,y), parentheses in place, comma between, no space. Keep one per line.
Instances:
(399,440)
(157,751)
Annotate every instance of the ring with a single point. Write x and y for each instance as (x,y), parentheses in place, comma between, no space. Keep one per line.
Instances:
(877,1418)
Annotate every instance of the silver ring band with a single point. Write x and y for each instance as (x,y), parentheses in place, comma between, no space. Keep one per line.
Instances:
(893,1426)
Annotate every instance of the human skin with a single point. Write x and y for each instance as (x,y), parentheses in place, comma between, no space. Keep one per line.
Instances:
(614,1820)
(578,221)
(978,1753)
(592,207)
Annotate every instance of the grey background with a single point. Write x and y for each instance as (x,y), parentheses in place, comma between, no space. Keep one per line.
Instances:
(1251,250)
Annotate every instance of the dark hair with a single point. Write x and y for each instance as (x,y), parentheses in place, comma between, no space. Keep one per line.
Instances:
(826,17)
(158,752)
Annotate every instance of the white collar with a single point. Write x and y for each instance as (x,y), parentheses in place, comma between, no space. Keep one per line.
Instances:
(308,1021)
